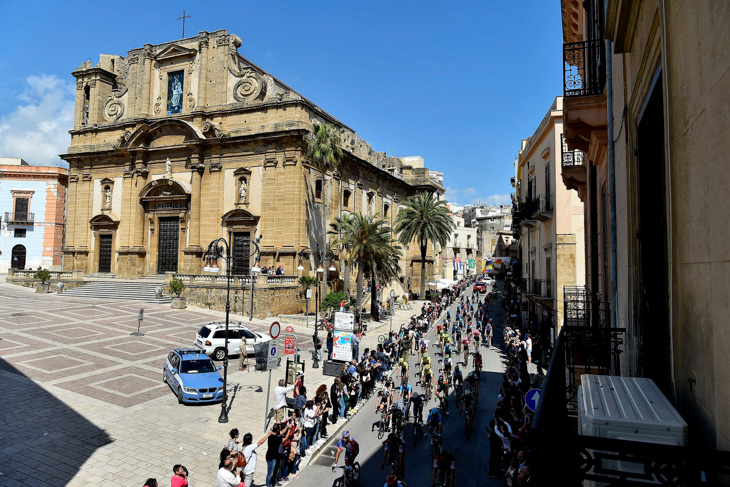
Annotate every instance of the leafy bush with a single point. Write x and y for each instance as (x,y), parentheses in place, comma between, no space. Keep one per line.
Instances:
(176,287)
(42,274)
(333,300)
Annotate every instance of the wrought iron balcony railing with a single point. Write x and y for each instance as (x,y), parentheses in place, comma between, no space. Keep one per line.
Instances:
(584,68)
(570,158)
(541,204)
(19,218)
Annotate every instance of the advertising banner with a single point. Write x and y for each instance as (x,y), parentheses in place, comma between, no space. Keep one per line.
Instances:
(472,264)
(344,321)
(343,346)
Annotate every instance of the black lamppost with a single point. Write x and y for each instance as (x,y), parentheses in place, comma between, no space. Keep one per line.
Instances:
(215,250)
(256,268)
(320,257)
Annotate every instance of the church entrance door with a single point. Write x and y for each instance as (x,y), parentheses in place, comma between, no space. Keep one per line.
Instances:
(168,248)
(105,253)
(241,253)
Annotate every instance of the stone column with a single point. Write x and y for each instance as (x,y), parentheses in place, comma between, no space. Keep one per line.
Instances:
(144,109)
(194,228)
(203,71)
(132,81)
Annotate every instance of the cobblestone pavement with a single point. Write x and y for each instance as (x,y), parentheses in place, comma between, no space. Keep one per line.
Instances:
(84,402)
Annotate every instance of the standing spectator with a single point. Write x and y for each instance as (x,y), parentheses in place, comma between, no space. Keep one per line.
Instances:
(272,455)
(326,407)
(226,477)
(356,346)
(150,483)
(179,476)
(335,397)
(310,417)
(317,345)
(495,453)
(297,384)
(280,400)
(233,446)
(242,354)
(301,399)
(330,345)
(528,348)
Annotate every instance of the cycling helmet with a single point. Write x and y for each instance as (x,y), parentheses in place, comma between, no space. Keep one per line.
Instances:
(456,367)
(345,434)
(392,480)
(404,381)
(435,411)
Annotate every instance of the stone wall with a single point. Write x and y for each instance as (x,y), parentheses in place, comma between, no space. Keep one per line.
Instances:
(268,300)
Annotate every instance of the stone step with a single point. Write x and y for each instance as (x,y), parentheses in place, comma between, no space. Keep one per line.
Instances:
(119,290)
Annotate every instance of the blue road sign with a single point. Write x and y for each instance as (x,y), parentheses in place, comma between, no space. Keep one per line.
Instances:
(273,351)
(532,398)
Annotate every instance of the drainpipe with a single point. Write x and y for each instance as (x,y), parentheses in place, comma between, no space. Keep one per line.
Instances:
(615,366)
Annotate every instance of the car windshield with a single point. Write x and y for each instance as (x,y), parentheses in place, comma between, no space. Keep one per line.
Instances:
(204,332)
(197,367)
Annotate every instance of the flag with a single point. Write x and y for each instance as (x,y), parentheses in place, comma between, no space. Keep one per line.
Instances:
(457,265)
(490,268)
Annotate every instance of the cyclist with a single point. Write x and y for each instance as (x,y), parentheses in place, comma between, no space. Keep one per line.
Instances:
(448,347)
(417,401)
(404,393)
(403,366)
(394,454)
(465,346)
(427,376)
(425,359)
(447,365)
(392,481)
(445,465)
(383,400)
(442,393)
(395,417)
(467,403)
(434,421)
(477,360)
(350,446)
(471,384)
(477,338)
(458,378)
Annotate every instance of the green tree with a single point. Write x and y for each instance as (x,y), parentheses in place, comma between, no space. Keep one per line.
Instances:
(341,225)
(42,274)
(306,282)
(324,154)
(372,250)
(424,218)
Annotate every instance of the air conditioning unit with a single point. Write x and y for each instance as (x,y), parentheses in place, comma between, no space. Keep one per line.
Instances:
(627,408)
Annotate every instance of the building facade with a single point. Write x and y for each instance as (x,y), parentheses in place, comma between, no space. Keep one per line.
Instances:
(551,225)
(460,251)
(177,144)
(32,202)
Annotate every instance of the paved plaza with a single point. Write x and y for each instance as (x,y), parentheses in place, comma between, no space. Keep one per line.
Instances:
(84,402)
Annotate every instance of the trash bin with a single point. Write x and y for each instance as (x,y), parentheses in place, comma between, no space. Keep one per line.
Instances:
(260,350)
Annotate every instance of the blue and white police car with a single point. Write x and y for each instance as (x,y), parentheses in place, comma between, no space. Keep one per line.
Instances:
(193,376)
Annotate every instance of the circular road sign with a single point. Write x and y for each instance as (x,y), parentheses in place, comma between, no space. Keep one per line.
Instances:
(275,330)
(392,293)
(289,329)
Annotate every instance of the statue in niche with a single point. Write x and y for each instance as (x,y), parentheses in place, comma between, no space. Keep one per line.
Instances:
(243,191)
(175,93)
(168,168)
(108,197)
(86,114)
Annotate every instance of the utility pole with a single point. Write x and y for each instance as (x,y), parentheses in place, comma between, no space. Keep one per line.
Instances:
(183,19)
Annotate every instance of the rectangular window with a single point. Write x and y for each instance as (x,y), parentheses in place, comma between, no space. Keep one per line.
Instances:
(19,233)
(175,84)
(21,209)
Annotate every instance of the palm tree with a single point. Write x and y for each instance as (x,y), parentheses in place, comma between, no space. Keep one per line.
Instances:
(423,218)
(340,226)
(372,249)
(324,154)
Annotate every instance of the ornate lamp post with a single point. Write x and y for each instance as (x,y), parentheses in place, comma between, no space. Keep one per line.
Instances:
(320,257)
(215,250)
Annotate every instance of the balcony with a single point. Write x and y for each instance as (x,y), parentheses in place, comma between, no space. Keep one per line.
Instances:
(19,218)
(540,207)
(538,288)
(573,167)
(584,69)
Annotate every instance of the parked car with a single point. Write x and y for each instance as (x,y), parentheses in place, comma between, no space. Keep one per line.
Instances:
(193,376)
(480,287)
(211,339)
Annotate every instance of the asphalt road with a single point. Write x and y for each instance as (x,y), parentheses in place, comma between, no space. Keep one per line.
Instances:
(471,454)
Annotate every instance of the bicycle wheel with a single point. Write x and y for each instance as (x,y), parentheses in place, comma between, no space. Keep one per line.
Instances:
(356,474)
(416,434)
(381,338)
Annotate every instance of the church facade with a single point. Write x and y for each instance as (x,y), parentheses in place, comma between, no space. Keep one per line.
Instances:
(177,144)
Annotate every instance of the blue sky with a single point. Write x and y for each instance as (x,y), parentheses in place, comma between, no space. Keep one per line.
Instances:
(458,83)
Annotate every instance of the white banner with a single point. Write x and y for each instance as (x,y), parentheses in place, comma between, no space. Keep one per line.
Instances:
(343,346)
(344,321)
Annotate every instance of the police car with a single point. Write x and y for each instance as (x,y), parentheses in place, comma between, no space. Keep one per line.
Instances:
(193,376)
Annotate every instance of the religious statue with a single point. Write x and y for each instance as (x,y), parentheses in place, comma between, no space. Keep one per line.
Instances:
(242,191)
(86,114)
(174,104)
(168,168)
(108,197)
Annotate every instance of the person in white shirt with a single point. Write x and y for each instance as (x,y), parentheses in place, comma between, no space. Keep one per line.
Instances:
(528,347)
(280,400)
(226,477)
(249,453)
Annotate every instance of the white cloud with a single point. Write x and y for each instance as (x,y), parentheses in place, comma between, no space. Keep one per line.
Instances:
(37,130)
(468,196)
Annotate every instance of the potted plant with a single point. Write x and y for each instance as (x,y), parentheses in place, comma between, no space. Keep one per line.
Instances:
(176,287)
(43,275)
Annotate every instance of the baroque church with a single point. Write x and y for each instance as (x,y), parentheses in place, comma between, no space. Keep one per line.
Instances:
(177,144)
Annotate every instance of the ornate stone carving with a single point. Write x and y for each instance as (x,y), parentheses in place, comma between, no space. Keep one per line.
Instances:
(133,59)
(91,83)
(114,105)
(86,177)
(79,85)
(211,129)
(273,91)
(191,100)
(193,65)
(157,107)
(290,96)
(221,40)
(251,87)
(203,42)
(122,70)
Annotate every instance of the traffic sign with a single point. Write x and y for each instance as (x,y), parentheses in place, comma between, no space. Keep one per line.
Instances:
(272,361)
(289,329)
(141,314)
(392,293)
(275,330)
(290,345)
(532,398)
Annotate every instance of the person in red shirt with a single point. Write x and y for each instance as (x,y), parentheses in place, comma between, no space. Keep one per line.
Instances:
(179,477)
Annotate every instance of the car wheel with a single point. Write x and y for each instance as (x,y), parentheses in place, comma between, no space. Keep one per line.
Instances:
(179,395)
(164,376)
(219,354)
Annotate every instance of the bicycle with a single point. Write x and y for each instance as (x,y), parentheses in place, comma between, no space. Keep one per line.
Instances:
(469,422)
(382,338)
(444,404)
(458,390)
(383,423)
(350,475)
(435,445)
(417,430)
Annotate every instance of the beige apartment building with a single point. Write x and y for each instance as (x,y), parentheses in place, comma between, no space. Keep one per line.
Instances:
(646,88)
(180,143)
(550,220)
(460,250)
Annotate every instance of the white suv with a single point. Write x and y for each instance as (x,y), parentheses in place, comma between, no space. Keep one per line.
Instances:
(211,338)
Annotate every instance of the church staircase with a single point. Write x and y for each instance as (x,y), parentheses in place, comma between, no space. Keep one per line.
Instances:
(130,289)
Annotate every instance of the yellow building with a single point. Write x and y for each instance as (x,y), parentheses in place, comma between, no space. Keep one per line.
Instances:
(179,143)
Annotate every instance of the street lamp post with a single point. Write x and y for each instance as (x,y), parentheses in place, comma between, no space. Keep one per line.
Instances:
(255,269)
(319,257)
(215,250)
